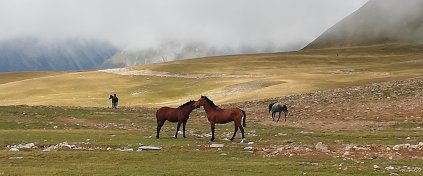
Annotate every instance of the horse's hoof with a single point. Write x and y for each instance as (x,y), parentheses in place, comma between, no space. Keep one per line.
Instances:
(185,137)
(157,137)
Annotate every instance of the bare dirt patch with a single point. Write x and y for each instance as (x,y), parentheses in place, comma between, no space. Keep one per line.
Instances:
(125,71)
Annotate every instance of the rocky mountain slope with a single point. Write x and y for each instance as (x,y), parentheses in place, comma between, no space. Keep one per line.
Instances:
(377,22)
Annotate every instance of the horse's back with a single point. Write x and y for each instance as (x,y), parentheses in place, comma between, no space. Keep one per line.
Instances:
(227,115)
(167,113)
(279,107)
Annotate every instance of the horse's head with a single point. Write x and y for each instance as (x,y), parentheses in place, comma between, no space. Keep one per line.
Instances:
(270,106)
(111,96)
(200,102)
(190,103)
(205,101)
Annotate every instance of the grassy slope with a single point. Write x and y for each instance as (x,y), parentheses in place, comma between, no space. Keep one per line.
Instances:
(284,73)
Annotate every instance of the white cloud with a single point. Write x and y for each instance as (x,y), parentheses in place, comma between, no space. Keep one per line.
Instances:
(147,23)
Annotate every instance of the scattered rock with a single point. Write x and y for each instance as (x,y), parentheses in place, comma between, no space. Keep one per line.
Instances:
(309,164)
(13,150)
(346,153)
(360,148)
(306,132)
(27,146)
(149,148)
(125,150)
(376,167)
(47,150)
(250,143)
(410,169)
(322,147)
(389,168)
(16,158)
(216,145)
(248,148)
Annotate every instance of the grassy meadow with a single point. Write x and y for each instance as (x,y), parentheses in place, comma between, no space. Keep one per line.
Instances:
(97,129)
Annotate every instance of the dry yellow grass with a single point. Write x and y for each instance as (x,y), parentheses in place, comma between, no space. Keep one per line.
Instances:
(225,79)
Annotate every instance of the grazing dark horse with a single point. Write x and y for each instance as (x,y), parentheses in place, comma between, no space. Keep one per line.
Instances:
(277,107)
(222,116)
(180,115)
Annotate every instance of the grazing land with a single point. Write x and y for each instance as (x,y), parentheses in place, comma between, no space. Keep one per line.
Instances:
(225,79)
(352,111)
(371,129)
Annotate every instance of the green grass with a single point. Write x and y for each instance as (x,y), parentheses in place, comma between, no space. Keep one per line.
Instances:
(182,156)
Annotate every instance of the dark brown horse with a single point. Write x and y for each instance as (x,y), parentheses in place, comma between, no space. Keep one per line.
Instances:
(180,115)
(222,116)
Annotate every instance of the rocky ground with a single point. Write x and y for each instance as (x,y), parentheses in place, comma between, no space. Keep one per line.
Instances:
(393,105)
(370,107)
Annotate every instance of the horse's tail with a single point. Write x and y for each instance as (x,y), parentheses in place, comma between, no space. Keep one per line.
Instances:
(270,106)
(244,116)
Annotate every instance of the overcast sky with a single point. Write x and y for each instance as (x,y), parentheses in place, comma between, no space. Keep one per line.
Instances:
(146,23)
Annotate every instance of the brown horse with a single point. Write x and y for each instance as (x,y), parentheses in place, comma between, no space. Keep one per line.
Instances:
(180,115)
(222,116)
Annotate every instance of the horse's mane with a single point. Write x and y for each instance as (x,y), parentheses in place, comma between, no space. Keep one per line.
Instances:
(187,103)
(209,101)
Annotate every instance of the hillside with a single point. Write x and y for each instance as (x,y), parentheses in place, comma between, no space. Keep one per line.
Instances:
(32,54)
(377,22)
(225,79)
(178,50)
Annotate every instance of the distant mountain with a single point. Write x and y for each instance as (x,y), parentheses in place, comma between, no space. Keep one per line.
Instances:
(32,54)
(175,50)
(377,22)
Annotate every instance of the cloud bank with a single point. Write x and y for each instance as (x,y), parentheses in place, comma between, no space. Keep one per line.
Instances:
(282,24)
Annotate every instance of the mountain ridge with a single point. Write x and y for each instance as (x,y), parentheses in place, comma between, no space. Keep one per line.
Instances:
(377,22)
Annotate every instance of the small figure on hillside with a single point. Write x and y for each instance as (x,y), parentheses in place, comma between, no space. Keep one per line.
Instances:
(115,101)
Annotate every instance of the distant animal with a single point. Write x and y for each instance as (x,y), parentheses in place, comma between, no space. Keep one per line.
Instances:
(180,115)
(278,107)
(222,116)
(115,101)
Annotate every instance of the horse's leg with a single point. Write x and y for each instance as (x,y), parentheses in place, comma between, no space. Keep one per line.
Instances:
(183,128)
(273,115)
(279,116)
(212,126)
(285,115)
(236,129)
(159,126)
(177,129)
(242,131)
